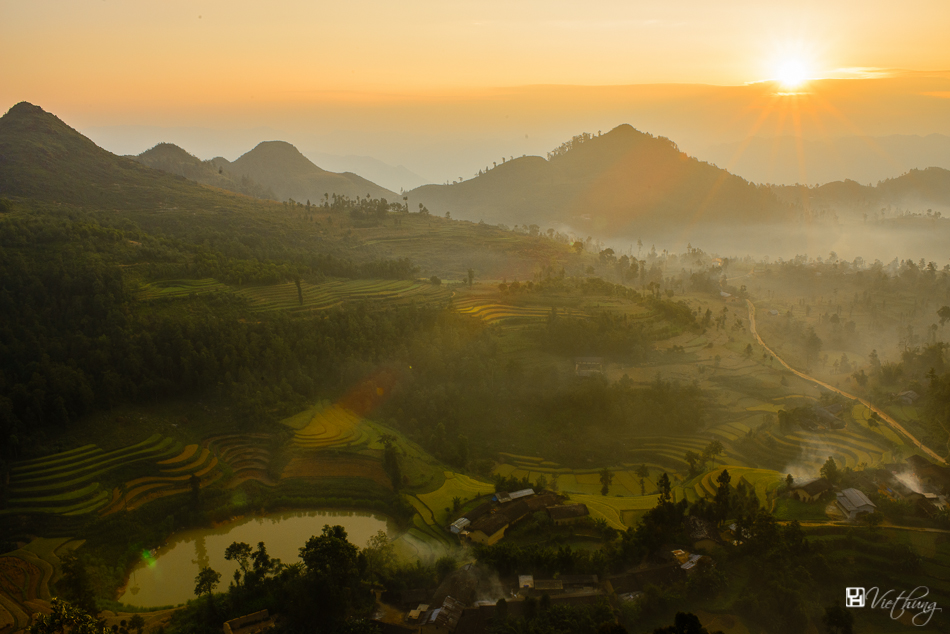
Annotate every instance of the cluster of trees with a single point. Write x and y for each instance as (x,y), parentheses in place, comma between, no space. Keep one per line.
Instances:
(462,398)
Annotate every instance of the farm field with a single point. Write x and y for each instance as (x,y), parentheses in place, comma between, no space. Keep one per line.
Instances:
(327,426)
(440,502)
(284,296)
(70,483)
(25,577)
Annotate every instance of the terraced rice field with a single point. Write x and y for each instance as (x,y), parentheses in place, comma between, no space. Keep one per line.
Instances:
(614,509)
(456,485)
(315,464)
(764,481)
(492,312)
(180,288)
(328,426)
(661,453)
(862,415)
(246,455)
(175,478)
(25,575)
(69,483)
(329,294)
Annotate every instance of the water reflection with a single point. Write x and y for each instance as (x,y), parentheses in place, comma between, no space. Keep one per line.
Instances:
(166,576)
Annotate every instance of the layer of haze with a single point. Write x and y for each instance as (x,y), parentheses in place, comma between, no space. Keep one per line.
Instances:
(445,88)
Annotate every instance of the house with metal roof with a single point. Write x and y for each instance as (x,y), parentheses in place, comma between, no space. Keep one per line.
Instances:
(853,503)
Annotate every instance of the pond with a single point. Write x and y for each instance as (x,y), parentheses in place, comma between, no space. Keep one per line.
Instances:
(166,576)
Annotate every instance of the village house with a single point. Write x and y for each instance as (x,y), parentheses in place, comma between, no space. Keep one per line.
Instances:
(588,366)
(810,491)
(853,503)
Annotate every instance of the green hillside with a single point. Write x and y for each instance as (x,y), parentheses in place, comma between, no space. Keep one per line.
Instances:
(170,158)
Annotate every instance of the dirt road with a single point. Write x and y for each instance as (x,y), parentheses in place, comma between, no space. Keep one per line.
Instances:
(887,419)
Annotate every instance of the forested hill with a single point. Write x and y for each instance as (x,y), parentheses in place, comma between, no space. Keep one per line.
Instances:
(170,158)
(44,159)
(915,191)
(282,168)
(622,182)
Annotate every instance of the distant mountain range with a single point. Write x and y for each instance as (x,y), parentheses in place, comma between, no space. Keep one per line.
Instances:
(622,184)
(789,160)
(273,169)
(393,177)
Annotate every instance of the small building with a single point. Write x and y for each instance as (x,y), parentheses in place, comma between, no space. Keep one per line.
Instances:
(503,497)
(567,513)
(853,503)
(525,581)
(489,529)
(810,491)
(418,613)
(588,366)
(448,615)
(459,525)
(773,313)
(908,398)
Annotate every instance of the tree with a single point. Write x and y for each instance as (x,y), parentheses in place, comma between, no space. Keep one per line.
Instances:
(693,459)
(205,583)
(65,617)
(643,487)
(76,584)
(830,470)
(873,520)
(606,477)
(789,481)
(240,552)
(838,620)
(380,555)
(471,277)
(643,472)
(663,484)
(722,499)
(501,611)
(334,569)
(944,314)
(137,622)
(812,344)
(712,450)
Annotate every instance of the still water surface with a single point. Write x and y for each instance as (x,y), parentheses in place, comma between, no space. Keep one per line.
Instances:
(167,575)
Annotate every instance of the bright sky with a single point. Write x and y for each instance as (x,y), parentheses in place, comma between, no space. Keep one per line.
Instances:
(283,64)
(246,50)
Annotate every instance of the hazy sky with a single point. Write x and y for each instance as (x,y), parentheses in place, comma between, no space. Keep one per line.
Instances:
(421,75)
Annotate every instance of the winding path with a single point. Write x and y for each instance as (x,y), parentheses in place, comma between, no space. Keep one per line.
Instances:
(885,417)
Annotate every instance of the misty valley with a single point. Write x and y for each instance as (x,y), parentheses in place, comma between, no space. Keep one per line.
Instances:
(612,389)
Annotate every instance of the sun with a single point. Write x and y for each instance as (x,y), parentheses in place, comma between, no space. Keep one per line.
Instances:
(792,73)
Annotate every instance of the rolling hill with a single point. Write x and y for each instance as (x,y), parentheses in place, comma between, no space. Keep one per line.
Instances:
(170,158)
(43,158)
(619,183)
(282,168)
